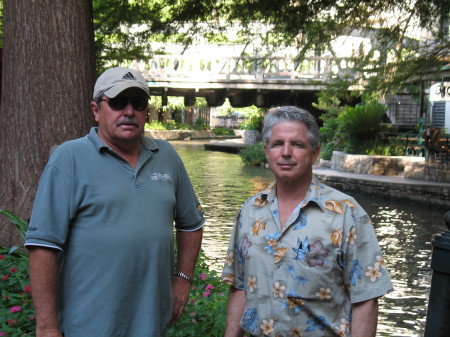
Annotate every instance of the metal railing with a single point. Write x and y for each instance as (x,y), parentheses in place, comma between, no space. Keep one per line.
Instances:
(405,114)
(257,68)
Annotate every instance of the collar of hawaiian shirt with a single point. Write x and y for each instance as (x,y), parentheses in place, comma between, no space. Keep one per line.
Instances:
(312,197)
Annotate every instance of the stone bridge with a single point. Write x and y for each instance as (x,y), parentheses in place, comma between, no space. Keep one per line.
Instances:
(243,80)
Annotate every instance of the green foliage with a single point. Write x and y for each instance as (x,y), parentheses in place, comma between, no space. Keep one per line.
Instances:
(357,130)
(362,121)
(255,119)
(17,316)
(330,135)
(200,124)
(205,312)
(156,125)
(16,308)
(254,155)
(225,108)
(219,131)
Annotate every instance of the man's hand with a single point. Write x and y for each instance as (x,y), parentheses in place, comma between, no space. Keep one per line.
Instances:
(180,291)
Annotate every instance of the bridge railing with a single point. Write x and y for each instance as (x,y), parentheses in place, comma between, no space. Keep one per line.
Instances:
(252,68)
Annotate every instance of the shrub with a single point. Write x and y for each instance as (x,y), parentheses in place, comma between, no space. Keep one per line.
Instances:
(254,155)
(205,312)
(254,121)
(156,125)
(362,121)
(16,308)
(353,129)
(200,124)
(223,131)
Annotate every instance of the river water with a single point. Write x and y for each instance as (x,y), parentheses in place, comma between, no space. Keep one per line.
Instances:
(404,231)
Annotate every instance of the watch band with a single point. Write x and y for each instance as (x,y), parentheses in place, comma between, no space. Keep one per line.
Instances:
(183,275)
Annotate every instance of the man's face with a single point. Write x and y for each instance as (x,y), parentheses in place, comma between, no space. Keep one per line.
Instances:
(118,127)
(289,153)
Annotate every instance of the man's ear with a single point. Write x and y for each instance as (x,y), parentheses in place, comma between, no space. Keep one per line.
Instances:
(95,109)
(316,152)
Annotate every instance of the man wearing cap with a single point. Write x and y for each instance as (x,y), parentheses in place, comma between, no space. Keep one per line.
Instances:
(101,236)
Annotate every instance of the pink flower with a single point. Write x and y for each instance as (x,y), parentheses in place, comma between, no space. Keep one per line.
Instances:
(13,270)
(203,276)
(4,278)
(193,313)
(206,293)
(1,258)
(3,333)
(194,320)
(209,287)
(27,289)
(15,309)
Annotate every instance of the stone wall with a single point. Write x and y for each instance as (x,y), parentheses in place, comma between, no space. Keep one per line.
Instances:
(249,136)
(405,166)
(431,194)
(438,172)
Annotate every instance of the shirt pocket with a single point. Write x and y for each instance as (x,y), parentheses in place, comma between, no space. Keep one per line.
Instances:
(314,274)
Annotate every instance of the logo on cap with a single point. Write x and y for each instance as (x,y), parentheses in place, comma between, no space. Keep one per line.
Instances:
(129,76)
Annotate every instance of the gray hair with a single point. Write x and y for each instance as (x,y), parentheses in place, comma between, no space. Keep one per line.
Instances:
(289,114)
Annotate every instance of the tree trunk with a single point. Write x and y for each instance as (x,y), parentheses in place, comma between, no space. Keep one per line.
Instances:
(47,81)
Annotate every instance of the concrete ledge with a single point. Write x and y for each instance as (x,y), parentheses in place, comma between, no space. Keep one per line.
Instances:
(232,147)
(404,166)
(424,192)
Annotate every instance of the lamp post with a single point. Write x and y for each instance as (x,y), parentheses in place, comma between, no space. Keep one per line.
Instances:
(438,314)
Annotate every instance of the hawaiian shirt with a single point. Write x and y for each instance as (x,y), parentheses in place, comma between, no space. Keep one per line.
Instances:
(302,281)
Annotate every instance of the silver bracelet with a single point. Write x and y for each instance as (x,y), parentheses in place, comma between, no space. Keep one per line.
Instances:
(183,275)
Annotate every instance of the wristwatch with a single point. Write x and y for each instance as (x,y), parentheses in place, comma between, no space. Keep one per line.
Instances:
(183,275)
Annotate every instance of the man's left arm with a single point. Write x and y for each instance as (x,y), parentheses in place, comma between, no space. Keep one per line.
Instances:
(364,318)
(188,248)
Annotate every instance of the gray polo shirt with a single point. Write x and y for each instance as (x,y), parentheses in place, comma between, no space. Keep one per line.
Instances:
(114,227)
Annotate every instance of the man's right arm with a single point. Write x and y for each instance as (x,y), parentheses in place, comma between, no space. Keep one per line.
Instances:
(43,276)
(235,310)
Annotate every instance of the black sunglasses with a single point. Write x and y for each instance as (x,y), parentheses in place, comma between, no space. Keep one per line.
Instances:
(120,102)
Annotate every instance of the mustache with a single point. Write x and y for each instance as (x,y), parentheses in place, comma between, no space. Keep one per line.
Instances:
(128,121)
(286,163)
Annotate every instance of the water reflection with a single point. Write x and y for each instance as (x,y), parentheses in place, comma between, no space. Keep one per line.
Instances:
(404,230)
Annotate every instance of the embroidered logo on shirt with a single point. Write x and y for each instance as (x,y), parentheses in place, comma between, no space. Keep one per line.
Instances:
(160,176)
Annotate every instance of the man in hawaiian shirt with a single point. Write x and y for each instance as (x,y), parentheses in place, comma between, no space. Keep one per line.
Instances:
(303,259)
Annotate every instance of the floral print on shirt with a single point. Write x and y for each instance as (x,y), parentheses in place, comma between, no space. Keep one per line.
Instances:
(301,281)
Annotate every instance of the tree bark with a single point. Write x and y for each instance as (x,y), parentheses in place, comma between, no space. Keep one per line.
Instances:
(47,81)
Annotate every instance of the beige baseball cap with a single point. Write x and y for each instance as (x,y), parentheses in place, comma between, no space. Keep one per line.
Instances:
(115,80)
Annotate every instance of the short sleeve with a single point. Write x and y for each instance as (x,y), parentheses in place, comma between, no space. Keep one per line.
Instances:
(233,271)
(49,225)
(365,272)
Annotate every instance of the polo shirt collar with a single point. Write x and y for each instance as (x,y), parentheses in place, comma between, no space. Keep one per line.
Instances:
(148,143)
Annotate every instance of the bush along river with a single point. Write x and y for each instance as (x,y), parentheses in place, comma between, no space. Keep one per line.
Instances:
(404,230)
